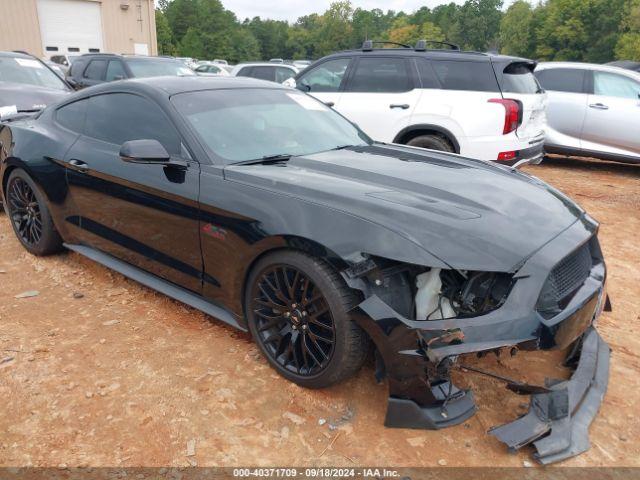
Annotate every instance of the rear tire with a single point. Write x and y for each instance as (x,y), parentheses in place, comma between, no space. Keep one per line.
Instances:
(30,216)
(297,310)
(432,142)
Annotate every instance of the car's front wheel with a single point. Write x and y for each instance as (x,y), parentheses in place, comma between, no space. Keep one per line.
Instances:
(297,309)
(29,215)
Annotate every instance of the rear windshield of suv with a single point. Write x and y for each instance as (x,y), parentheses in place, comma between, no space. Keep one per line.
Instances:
(518,78)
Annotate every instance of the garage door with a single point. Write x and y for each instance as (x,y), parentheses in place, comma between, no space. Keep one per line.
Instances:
(70,26)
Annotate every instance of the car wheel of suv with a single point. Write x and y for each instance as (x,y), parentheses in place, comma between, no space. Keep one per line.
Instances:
(297,309)
(432,142)
(29,215)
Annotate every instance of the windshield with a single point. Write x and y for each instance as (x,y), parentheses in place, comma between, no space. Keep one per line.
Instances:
(28,71)
(518,78)
(158,68)
(247,124)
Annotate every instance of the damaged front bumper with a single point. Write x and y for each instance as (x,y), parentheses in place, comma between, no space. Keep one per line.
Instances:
(417,356)
(557,422)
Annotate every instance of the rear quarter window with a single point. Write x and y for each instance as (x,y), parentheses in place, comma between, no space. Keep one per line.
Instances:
(465,75)
(518,78)
(72,116)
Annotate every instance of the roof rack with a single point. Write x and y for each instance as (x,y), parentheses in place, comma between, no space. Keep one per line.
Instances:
(367,45)
(421,45)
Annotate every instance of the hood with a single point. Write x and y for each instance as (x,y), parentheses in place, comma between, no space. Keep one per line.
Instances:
(470,214)
(29,97)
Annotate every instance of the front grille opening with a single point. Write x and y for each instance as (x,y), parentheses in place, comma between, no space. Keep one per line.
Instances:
(565,278)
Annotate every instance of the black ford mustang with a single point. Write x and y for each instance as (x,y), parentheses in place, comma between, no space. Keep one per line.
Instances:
(266,209)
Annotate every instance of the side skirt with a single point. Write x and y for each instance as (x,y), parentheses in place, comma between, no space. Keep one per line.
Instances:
(158,284)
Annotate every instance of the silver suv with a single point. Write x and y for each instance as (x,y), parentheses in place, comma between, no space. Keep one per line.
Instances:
(593,110)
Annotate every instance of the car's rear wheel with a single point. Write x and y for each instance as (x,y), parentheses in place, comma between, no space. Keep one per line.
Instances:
(29,215)
(297,309)
(432,141)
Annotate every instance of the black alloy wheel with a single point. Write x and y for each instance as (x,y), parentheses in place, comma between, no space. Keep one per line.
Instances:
(25,212)
(293,320)
(29,214)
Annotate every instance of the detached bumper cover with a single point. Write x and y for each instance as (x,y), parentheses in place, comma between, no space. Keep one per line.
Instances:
(557,422)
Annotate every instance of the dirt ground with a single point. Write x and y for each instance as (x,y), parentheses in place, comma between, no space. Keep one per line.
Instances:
(96,370)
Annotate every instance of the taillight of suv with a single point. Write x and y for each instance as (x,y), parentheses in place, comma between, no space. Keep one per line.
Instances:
(512,113)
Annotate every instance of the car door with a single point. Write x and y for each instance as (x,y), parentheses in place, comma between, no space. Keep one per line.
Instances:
(566,105)
(144,214)
(326,80)
(380,96)
(613,114)
(94,73)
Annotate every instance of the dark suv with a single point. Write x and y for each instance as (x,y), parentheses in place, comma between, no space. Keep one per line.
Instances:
(93,69)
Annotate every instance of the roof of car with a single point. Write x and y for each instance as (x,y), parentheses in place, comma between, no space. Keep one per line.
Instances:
(445,54)
(173,85)
(15,55)
(265,64)
(587,66)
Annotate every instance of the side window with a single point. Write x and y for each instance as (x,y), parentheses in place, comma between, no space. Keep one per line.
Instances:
(327,77)
(613,85)
(263,73)
(115,71)
(245,72)
(119,117)
(283,73)
(427,74)
(95,70)
(466,75)
(72,116)
(380,75)
(569,80)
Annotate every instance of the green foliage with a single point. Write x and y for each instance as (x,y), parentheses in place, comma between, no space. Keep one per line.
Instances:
(516,30)
(580,30)
(164,34)
(628,43)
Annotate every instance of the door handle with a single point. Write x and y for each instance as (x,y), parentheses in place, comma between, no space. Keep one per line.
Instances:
(599,106)
(403,106)
(78,165)
(329,104)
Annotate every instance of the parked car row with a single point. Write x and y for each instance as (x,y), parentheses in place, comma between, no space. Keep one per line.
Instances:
(484,106)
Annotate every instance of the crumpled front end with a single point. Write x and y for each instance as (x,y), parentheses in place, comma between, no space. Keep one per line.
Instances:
(551,301)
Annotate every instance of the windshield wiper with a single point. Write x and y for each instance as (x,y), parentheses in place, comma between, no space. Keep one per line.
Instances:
(267,159)
(340,147)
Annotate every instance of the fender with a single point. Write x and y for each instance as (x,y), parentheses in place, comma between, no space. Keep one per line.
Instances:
(424,126)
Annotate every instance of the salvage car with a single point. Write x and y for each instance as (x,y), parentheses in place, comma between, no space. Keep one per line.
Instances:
(266,209)
(27,84)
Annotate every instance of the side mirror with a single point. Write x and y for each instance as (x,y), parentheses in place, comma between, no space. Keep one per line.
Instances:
(149,152)
(118,77)
(144,151)
(290,82)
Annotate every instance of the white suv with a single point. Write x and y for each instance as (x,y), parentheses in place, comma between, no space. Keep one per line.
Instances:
(483,106)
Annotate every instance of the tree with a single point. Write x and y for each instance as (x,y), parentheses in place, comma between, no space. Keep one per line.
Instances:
(335,28)
(477,24)
(403,32)
(628,44)
(516,34)
(164,35)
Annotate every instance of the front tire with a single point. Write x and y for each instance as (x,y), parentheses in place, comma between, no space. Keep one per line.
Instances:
(297,310)
(432,142)
(29,215)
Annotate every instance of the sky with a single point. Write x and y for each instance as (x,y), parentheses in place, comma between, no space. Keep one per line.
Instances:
(292,9)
